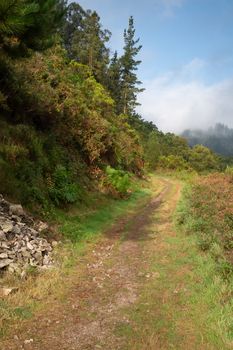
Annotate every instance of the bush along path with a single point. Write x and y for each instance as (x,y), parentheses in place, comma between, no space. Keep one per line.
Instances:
(143,286)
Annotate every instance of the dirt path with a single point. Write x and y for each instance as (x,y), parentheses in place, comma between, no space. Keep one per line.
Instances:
(123,297)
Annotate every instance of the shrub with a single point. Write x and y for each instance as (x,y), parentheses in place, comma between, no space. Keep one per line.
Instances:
(202,159)
(62,189)
(118,179)
(173,163)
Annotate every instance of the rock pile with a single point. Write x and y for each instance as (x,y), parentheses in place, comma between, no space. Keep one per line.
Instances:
(20,243)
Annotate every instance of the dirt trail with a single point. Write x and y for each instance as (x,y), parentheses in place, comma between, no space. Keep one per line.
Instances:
(114,275)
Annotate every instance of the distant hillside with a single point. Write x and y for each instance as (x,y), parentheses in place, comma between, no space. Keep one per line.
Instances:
(219,138)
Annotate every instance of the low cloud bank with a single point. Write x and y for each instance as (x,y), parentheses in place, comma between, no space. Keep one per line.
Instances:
(180,100)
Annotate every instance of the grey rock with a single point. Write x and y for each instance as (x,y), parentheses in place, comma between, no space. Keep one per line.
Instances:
(16,218)
(6,225)
(4,245)
(3,256)
(5,262)
(5,291)
(16,230)
(16,209)
(2,236)
(38,256)
(33,232)
(42,226)
(23,275)
(30,246)
(13,267)
(20,244)
(46,260)
(54,244)
(26,254)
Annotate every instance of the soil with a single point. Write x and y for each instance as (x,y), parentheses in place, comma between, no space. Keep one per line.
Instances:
(111,280)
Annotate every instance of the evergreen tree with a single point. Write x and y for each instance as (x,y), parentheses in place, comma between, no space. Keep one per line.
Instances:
(129,65)
(87,41)
(114,81)
(73,26)
(29,24)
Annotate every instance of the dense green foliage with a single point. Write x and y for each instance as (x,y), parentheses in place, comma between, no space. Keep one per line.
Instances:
(172,152)
(85,40)
(29,24)
(118,179)
(59,126)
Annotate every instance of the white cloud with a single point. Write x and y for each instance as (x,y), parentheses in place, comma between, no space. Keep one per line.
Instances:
(180,100)
(169,6)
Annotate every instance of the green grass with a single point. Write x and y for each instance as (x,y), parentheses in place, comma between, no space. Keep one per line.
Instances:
(196,308)
(188,304)
(91,220)
(214,291)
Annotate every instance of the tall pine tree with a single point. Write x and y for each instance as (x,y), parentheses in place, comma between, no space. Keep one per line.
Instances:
(114,81)
(129,65)
(29,24)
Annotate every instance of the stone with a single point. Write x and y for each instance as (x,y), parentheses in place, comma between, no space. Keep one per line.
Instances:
(11,255)
(42,248)
(42,226)
(23,275)
(32,262)
(38,256)
(16,218)
(4,291)
(16,230)
(4,245)
(16,209)
(5,262)
(46,260)
(14,268)
(33,232)
(6,226)
(26,254)
(54,244)
(3,256)
(30,246)
(20,244)
(2,236)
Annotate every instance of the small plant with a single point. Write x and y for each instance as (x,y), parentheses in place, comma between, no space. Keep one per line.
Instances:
(62,189)
(229,172)
(118,179)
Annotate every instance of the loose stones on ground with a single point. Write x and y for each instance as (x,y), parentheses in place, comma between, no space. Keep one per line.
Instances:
(20,243)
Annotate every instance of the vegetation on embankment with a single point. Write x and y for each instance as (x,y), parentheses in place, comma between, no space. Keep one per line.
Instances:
(206,213)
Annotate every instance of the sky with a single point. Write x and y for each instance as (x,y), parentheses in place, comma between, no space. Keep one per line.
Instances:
(187,58)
